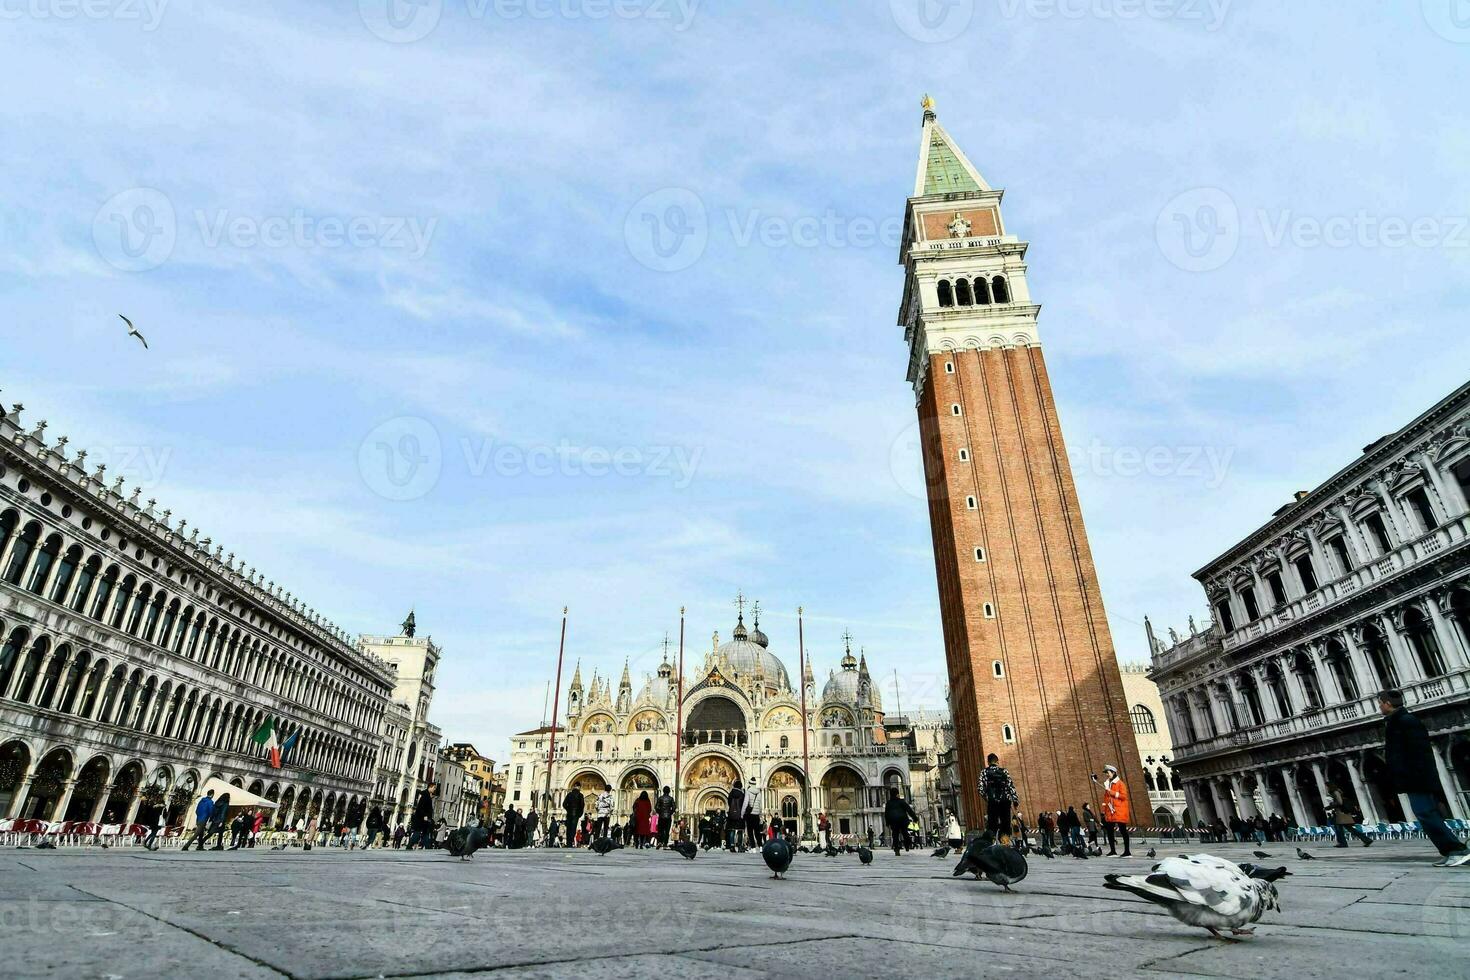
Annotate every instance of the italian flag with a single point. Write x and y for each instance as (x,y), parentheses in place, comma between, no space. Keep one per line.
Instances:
(266,738)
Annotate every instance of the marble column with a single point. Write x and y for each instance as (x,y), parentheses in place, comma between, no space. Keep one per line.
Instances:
(1300,815)
(1368,680)
(1447,782)
(1243,798)
(1268,795)
(1449,644)
(101,804)
(132,813)
(22,790)
(1360,788)
(1263,693)
(1394,518)
(1357,548)
(1321,775)
(1452,501)
(1403,657)
(58,812)
(1224,807)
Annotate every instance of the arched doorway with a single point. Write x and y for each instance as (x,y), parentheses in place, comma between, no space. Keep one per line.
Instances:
(284,817)
(15,758)
(785,791)
(842,795)
(154,796)
(1163,817)
(634,782)
(90,785)
(120,800)
(707,781)
(48,785)
(1306,788)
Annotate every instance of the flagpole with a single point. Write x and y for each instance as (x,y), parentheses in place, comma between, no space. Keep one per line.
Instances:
(555,710)
(679,716)
(806,762)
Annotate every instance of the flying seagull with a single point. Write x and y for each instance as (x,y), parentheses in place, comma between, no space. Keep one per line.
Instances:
(133,331)
(1204,891)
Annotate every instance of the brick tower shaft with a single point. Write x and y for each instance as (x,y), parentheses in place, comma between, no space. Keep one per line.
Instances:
(1033,675)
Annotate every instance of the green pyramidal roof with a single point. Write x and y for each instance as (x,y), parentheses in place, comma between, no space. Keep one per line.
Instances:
(943,166)
(943,172)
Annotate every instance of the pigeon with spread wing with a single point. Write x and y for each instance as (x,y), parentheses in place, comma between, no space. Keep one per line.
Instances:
(1203,890)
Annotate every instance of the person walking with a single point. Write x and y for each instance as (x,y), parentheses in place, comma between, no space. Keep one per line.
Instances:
(1116,811)
(203,810)
(1089,820)
(824,829)
(752,816)
(219,822)
(999,793)
(159,823)
(955,836)
(1072,830)
(897,814)
(574,803)
(533,820)
(1345,817)
(1046,825)
(1411,771)
(735,816)
(421,824)
(665,808)
(604,813)
(642,816)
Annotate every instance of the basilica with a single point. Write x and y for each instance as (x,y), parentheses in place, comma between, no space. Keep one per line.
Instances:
(739,718)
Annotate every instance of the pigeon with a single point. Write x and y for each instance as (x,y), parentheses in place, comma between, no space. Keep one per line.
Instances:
(685,848)
(777,854)
(1001,865)
(1264,874)
(1048,853)
(1204,891)
(464,842)
(832,852)
(865,855)
(1151,854)
(1304,855)
(133,331)
(943,852)
(46,845)
(605,844)
(1260,854)
(804,849)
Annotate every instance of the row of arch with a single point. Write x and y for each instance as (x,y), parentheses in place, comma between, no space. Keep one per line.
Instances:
(104,591)
(1342,668)
(59,789)
(976,291)
(75,682)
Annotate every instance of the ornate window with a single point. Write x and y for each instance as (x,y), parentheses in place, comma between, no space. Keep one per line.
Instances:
(1143,719)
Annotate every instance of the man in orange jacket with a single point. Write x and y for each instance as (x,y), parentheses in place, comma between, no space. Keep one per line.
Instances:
(1116,812)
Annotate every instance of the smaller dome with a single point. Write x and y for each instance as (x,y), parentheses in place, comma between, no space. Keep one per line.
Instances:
(842,687)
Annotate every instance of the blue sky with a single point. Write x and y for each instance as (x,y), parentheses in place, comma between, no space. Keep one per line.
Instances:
(413,343)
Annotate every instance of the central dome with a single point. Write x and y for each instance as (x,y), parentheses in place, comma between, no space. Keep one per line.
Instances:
(748,659)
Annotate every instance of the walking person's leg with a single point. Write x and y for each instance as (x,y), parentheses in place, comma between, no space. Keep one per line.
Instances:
(1111,833)
(1426,809)
(1340,829)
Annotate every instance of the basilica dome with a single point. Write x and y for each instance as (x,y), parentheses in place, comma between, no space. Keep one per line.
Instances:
(747,658)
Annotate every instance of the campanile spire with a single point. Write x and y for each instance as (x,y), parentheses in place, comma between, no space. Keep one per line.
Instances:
(1035,677)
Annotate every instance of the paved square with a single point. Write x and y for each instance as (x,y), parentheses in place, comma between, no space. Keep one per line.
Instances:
(125,913)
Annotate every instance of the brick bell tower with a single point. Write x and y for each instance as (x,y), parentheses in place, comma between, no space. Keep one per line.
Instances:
(1033,676)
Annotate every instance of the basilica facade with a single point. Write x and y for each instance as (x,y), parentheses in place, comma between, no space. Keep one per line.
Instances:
(740,719)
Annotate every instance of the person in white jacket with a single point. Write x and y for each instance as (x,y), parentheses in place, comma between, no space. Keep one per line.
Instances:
(604,813)
(953,832)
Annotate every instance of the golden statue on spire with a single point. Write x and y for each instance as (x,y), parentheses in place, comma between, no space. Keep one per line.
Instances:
(928,103)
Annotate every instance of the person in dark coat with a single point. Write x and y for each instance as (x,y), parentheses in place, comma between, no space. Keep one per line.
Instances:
(218,823)
(665,808)
(735,816)
(1411,770)
(897,814)
(421,825)
(575,804)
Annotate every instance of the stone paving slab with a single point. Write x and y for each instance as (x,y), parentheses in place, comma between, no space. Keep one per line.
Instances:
(123,913)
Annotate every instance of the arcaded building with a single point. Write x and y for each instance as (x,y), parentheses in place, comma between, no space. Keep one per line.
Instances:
(1033,676)
(139,657)
(1359,584)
